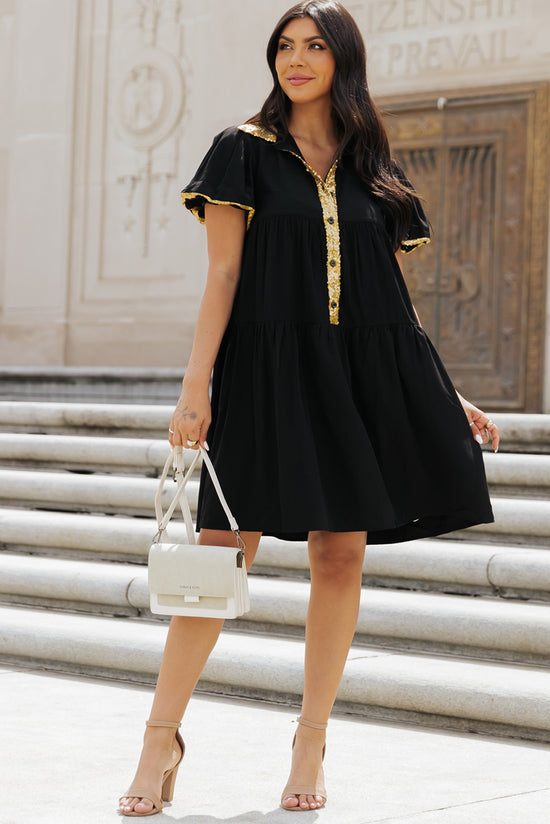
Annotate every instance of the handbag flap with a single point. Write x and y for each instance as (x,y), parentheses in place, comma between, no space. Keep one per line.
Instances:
(195,570)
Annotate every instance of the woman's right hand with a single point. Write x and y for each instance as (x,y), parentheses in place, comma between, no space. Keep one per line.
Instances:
(191,418)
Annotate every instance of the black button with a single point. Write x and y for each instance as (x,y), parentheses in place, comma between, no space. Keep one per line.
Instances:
(332,263)
(331,220)
(334,304)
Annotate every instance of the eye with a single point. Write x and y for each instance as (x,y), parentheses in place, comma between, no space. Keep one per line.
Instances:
(317,46)
(283,45)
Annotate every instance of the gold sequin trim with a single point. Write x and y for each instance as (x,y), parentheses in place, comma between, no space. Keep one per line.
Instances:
(258,131)
(326,190)
(410,245)
(196,209)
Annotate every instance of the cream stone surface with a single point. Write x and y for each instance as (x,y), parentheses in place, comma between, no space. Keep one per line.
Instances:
(107,109)
(438,44)
(375,772)
(7,50)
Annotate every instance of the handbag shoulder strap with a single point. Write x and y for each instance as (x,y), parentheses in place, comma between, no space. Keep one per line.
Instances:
(177,460)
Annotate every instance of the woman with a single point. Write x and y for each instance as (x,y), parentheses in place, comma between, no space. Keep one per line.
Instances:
(332,416)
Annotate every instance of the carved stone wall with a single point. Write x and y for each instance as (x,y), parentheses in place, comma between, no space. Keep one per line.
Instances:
(132,109)
(427,44)
(107,108)
(7,23)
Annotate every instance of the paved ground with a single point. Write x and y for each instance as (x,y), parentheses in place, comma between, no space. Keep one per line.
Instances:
(69,748)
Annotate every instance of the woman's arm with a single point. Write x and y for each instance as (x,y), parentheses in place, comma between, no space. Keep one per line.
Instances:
(477,419)
(225,227)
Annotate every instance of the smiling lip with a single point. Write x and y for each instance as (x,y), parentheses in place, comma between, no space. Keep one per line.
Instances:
(299,79)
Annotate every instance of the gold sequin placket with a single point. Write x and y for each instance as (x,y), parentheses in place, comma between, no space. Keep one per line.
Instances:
(326,189)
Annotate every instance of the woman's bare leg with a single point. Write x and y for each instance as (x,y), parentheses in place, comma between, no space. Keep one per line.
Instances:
(336,562)
(188,644)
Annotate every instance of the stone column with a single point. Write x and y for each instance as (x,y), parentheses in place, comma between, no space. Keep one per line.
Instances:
(38,203)
(7,38)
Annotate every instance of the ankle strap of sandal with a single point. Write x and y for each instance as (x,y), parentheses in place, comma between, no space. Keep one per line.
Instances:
(174,724)
(311,724)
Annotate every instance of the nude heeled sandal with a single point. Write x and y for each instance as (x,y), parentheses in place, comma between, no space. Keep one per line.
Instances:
(168,779)
(303,789)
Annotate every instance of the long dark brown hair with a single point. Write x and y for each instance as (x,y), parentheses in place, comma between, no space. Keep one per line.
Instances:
(357,120)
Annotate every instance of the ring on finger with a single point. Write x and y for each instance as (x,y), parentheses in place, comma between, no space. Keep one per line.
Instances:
(171,431)
(191,443)
(489,424)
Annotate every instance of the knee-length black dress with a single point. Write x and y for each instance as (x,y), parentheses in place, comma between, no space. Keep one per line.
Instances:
(331,409)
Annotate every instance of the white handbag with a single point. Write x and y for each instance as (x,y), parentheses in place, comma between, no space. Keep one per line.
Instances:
(194,579)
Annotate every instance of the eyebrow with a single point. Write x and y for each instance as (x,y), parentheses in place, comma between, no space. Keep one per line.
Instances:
(306,39)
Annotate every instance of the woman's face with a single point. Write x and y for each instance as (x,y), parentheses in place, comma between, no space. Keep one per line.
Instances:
(305,64)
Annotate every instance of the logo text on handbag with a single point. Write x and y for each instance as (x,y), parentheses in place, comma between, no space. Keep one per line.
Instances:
(188,586)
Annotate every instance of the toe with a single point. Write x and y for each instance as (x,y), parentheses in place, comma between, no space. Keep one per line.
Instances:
(125,803)
(290,802)
(144,805)
(304,802)
(129,804)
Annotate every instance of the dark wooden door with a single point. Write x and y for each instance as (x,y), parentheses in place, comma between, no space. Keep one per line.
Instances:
(480,160)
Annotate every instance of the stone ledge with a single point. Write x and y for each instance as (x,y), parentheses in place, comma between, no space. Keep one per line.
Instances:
(518,517)
(85,452)
(107,537)
(505,469)
(91,493)
(518,470)
(436,687)
(523,518)
(88,415)
(527,432)
(437,562)
(443,620)
(90,384)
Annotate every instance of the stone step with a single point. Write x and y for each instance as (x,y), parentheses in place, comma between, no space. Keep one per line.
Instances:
(429,689)
(90,384)
(137,455)
(518,474)
(480,627)
(442,565)
(506,473)
(86,493)
(516,520)
(134,420)
(76,535)
(520,432)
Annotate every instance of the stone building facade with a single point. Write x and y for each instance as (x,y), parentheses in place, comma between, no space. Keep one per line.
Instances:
(108,106)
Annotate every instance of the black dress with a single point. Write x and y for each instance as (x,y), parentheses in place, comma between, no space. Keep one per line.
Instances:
(330,407)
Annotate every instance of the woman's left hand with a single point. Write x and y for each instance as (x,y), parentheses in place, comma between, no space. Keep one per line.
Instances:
(483,428)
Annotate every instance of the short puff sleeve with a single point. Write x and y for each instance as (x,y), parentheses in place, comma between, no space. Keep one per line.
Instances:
(418,232)
(224,177)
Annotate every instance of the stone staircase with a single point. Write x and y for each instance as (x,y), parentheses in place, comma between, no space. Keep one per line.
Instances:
(452,632)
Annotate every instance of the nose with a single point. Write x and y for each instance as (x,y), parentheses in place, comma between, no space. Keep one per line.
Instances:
(297,57)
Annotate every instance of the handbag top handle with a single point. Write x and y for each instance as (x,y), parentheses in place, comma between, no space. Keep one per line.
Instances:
(176,459)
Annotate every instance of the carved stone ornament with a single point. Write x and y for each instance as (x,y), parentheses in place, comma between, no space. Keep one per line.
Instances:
(150,98)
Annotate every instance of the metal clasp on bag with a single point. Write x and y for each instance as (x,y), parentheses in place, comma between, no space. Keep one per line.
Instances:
(242,546)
